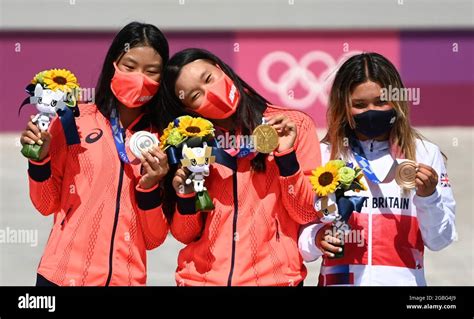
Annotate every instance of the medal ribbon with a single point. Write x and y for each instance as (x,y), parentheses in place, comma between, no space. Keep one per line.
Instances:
(362,160)
(118,133)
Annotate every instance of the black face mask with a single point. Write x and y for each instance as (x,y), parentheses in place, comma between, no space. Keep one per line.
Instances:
(375,123)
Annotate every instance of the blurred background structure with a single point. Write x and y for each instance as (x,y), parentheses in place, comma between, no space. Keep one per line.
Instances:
(287,49)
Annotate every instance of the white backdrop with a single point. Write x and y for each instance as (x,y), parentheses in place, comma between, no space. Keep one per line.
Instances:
(61,15)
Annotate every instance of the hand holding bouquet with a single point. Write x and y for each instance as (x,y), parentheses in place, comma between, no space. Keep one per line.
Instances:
(330,182)
(53,92)
(186,141)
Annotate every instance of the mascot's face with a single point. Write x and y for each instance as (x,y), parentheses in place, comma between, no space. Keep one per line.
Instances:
(197,159)
(48,101)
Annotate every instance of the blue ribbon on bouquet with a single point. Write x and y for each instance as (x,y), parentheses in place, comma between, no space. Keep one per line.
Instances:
(68,122)
(346,205)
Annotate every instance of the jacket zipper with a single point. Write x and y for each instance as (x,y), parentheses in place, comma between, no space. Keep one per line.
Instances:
(369,249)
(234,226)
(65,216)
(117,211)
(277,230)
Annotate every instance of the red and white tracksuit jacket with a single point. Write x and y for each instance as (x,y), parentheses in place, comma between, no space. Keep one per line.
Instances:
(251,237)
(103,221)
(388,236)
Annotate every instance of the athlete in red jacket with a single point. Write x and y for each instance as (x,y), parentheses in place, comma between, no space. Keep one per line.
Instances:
(106,207)
(250,238)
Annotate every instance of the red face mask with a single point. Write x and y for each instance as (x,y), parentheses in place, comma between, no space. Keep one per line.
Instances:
(133,89)
(221,100)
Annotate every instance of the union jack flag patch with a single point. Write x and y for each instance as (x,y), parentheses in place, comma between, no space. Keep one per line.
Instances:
(444,180)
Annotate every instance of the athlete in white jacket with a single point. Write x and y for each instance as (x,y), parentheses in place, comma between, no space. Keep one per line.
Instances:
(388,236)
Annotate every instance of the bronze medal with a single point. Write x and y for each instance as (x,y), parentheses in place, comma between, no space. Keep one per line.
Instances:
(265,138)
(405,174)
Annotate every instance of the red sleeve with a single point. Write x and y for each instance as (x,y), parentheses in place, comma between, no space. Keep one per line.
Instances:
(187,224)
(151,216)
(295,167)
(45,178)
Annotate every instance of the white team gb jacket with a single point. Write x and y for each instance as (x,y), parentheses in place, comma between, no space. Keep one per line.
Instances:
(386,242)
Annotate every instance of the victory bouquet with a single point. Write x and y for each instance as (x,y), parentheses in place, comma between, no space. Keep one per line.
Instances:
(330,182)
(185,141)
(53,92)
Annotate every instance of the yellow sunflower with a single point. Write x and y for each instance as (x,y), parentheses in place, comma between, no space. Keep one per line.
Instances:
(166,133)
(60,79)
(38,78)
(195,126)
(325,180)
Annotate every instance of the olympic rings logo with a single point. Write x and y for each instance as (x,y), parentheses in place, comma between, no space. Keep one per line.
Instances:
(299,72)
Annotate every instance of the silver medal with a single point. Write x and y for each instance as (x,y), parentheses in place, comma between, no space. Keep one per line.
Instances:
(142,141)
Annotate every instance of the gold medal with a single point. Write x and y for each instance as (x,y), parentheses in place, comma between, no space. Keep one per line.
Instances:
(265,138)
(405,174)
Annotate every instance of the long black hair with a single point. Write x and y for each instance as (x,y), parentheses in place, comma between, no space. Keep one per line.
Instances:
(251,105)
(134,34)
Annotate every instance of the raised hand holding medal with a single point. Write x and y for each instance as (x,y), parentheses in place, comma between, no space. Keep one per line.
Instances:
(142,141)
(405,174)
(410,175)
(266,138)
(276,133)
(426,180)
(145,146)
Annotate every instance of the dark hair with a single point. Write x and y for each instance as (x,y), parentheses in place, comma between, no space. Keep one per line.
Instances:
(134,34)
(249,111)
